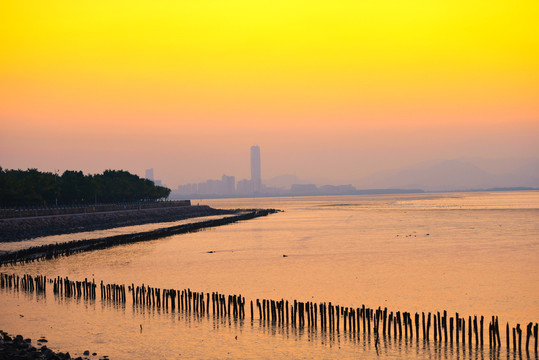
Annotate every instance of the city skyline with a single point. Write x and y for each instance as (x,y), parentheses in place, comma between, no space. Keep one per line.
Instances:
(227,184)
(442,175)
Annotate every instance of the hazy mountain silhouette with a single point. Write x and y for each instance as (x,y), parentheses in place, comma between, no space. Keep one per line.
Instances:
(458,174)
(287,180)
(282,181)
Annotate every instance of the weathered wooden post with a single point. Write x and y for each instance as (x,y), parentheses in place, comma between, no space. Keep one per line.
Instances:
(435,327)
(463,331)
(338,318)
(490,335)
(497,327)
(416,326)
(395,325)
(368,320)
(444,324)
(424,325)
(519,331)
(389,324)
(307,309)
(514,340)
(481,330)
(268,309)
(315,320)
(405,320)
(384,321)
(399,320)
(300,314)
(507,336)
(451,330)
(535,335)
(439,326)
(296,316)
(528,334)
(332,321)
(470,330)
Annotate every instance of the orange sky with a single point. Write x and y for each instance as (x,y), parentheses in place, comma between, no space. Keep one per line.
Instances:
(327,89)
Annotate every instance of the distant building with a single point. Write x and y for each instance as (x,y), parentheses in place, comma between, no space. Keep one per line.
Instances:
(149,174)
(158,182)
(188,189)
(228,184)
(244,187)
(256,176)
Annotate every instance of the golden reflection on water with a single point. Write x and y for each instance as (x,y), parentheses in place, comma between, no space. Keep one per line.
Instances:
(165,333)
(468,253)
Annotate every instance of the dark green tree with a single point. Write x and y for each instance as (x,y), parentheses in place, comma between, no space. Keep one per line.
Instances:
(31,187)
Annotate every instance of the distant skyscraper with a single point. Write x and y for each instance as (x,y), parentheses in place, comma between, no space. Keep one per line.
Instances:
(256,179)
(149,174)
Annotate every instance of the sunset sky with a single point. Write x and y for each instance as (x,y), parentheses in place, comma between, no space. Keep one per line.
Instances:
(334,89)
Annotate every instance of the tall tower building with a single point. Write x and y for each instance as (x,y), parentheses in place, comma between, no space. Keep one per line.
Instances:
(256,179)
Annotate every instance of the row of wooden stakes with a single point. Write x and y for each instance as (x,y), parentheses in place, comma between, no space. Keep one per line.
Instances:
(69,288)
(27,283)
(188,300)
(326,316)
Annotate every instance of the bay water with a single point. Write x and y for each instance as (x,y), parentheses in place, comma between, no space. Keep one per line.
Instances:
(471,253)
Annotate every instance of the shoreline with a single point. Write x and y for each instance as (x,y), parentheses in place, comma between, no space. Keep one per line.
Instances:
(26,228)
(17,347)
(46,252)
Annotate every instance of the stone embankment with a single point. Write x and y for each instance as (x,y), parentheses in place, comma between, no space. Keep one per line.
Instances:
(29,211)
(16,229)
(52,251)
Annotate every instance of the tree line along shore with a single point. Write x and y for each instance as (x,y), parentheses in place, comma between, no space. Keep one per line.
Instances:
(33,187)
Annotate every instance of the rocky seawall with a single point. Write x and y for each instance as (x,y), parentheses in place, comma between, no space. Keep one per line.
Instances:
(50,251)
(16,229)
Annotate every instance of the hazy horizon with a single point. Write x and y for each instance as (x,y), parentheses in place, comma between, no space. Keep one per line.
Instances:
(328,91)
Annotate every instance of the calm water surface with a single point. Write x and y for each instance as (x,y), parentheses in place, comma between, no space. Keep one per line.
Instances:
(472,253)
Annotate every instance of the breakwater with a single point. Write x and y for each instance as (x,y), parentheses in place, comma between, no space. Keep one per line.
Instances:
(21,228)
(30,211)
(51,251)
(384,324)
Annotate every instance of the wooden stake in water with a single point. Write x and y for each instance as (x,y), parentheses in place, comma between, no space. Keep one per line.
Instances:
(528,334)
(535,335)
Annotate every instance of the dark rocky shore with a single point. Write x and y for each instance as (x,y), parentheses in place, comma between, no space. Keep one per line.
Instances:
(16,229)
(17,347)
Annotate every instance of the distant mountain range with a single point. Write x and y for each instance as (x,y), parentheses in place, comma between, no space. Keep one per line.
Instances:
(441,175)
(458,174)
